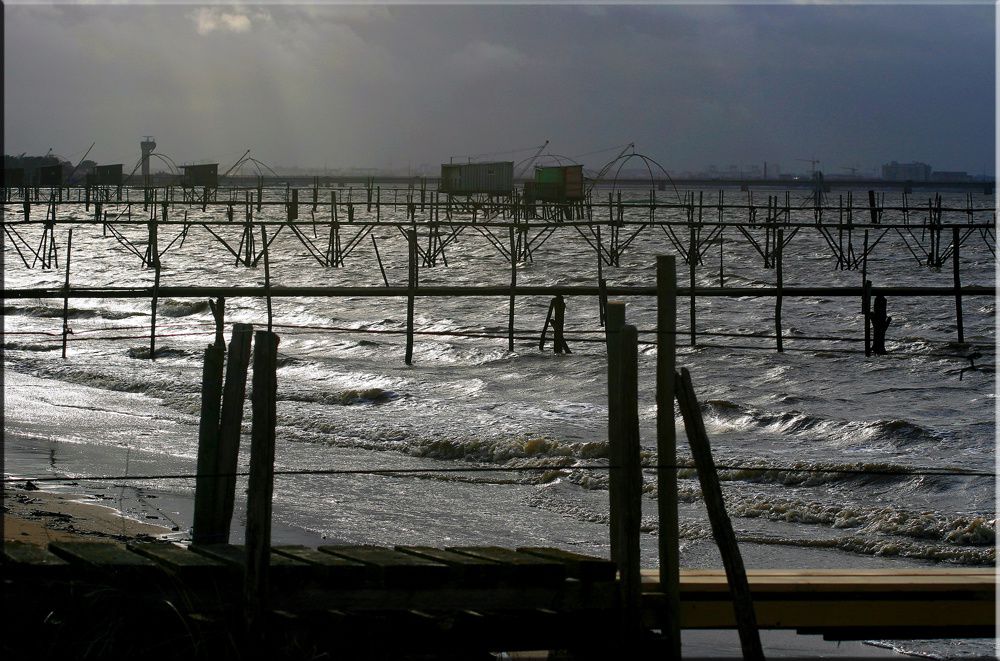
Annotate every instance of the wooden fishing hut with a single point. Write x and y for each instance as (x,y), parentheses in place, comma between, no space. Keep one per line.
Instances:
(495,178)
(205,175)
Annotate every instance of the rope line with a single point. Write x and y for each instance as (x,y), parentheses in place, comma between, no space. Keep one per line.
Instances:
(901,472)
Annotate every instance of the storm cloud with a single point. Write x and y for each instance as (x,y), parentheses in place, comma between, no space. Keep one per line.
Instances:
(400,85)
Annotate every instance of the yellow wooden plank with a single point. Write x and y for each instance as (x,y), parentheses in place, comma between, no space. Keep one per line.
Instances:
(907,571)
(842,613)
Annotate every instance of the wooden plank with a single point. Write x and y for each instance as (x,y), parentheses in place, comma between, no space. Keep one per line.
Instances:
(395,569)
(526,568)
(179,560)
(107,558)
(467,570)
(579,566)
(282,567)
(23,560)
(905,571)
(335,570)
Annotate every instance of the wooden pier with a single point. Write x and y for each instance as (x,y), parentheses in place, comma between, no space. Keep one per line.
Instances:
(422,602)
(146,224)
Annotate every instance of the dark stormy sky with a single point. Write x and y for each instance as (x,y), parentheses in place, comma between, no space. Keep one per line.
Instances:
(399,86)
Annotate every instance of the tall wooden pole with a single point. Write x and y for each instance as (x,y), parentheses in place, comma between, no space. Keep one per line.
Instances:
(666,449)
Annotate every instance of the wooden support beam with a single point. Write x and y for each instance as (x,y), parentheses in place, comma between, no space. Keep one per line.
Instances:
(779,259)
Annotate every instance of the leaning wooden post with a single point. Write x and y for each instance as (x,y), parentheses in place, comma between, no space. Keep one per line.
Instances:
(411,284)
(261,483)
(956,241)
(65,315)
(626,469)
(666,450)
(204,531)
(780,249)
(722,527)
(230,427)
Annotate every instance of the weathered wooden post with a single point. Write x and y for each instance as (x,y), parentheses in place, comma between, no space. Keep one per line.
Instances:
(267,275)
(880,324)
(152,316)
(513,286)
(866,302)
(722,527)
(411,285)
(204,531)
(230,427)
(558,324)
(692,262)
(261,482)
(65,315)
(666,450)
(218,309)
(780,249)
(956,242)
(625,466)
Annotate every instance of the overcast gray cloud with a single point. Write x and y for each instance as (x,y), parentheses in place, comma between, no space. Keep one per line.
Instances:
(381,86)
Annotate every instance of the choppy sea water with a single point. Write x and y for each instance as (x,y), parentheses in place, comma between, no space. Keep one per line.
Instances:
(347,401)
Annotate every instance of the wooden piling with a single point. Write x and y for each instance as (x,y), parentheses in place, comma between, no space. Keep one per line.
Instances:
(692,262)
(65,315)
(204,531)
(218,309)
(411,284)
(513,285)
(558,325)
(267,275)
(230,428)
(779,249)
(261,482)
(626,470)
(956,242)
(613,326)
(866,310)
(722,527)
(666,450)
(152,316)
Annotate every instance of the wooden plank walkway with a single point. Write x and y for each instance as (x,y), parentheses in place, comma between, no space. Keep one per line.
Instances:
(378,601)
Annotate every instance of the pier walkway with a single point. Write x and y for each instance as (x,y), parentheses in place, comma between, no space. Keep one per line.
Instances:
(409,600)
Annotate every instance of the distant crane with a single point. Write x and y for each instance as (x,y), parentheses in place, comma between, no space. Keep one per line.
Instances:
(813,162)
(527,167)
(85,154)
(853,170)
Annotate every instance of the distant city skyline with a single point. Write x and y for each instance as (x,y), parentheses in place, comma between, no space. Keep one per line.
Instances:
(396,88)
